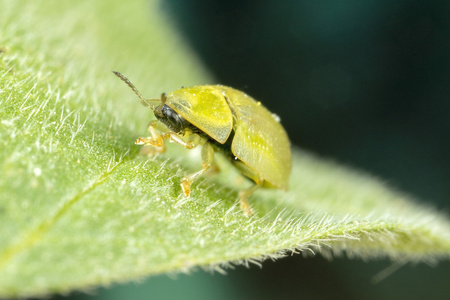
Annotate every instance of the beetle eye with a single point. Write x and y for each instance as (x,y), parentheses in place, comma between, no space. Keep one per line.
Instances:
(172,119)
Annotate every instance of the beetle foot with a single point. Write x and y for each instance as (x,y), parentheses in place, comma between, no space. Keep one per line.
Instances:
(186,187)
(151,147)
(149,141)
(245,206)
(141,141)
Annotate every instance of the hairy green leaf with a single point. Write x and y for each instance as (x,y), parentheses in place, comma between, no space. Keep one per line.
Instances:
(80,207)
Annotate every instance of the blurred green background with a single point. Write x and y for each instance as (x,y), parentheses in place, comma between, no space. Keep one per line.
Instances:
(366,83)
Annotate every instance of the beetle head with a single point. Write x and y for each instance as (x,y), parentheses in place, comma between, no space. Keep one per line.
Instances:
(162,112)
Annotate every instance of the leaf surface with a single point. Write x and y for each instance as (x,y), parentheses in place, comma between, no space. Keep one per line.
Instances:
(80,207)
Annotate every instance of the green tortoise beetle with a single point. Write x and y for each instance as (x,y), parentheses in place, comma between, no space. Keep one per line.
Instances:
(221,118)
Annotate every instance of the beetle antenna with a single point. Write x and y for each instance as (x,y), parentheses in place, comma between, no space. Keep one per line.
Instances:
(144,101)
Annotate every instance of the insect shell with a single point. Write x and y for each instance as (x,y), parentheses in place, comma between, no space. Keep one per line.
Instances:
(221,118)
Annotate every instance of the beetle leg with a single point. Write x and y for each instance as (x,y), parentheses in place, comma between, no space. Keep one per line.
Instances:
(245,194)
(155,139)
(207,160)
(174,137)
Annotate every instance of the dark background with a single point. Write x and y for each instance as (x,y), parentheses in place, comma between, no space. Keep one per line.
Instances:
(366,83)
